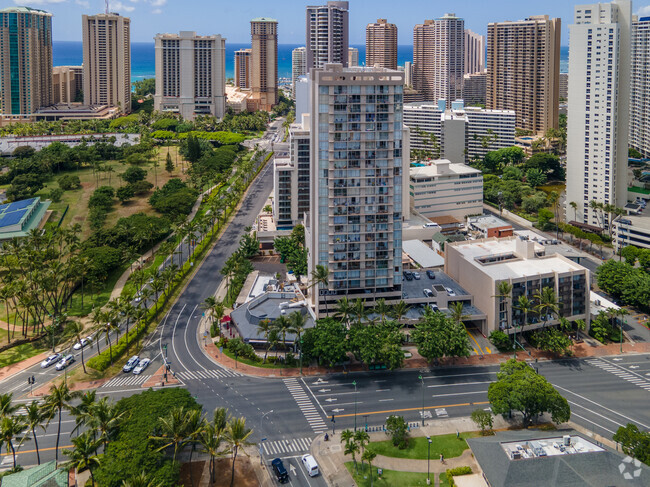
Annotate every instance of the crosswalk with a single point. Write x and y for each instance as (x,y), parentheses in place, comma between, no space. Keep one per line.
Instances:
(306,405)
(621,373)
(280,447)
(207,374)
(127,380)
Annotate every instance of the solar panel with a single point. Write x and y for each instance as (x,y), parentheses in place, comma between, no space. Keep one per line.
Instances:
(19,205)
(12,218)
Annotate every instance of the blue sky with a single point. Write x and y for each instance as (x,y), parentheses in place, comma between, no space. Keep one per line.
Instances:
(230,18)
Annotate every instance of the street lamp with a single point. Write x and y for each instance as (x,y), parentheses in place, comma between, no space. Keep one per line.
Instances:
(422,379)
(354,383)
(261,452)
(428,459)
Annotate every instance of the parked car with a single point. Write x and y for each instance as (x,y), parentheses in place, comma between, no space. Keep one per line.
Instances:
(82,343)
(310,464)
(450,291)
(434,307)
(431,274)
(131,364)
(64,362)
(428,293)
(52,359)
(279,470)
(405,295)
(416,276)
(144,363)
(408,275)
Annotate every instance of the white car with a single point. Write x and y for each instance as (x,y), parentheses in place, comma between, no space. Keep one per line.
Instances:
(416,276)
(64,362)
(52,359)
(82,343)
(144,363)
(450,291)
(131,364)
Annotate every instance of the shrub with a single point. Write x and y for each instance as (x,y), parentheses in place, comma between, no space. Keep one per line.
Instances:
(482,419)
(125,193)
(141,187)
(102,361)
(455,472)
(134,174)
(397,428)
(69,182)
(501,340)
(241,349)
(56,194)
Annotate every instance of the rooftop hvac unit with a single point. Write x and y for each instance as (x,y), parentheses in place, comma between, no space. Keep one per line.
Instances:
(567,440)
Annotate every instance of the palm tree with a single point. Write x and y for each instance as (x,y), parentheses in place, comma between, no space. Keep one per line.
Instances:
(369,456)
(195,427)
(344,310)
(547,304)
(34,418)
(574,205)
(173,430)
(59,398)
(320,277)
(362,438)
(106,419)
(298,322)
(84,455)
(456,313)
(264,328)
(504,292)
(360,312)
(237,435)
(6,407)
(107,327)
(76,330)
(210,440)
(283,326)
(10,429)
(524,305)
(82,411)
(98,318)
(382,309)
(399,310)
(351,448)
(143,479)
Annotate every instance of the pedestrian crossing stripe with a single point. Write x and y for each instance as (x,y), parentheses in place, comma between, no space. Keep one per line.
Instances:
(127,380)
(621,373)
(278,447)
(207,374)
(306,405)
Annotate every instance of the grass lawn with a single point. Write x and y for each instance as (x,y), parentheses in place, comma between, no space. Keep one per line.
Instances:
(267,365)
(448,445)
(98,298)
(557,187)
(19,353)
(389,478)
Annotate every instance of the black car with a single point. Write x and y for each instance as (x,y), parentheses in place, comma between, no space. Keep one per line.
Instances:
(431,274)
(408,275)
(279,470)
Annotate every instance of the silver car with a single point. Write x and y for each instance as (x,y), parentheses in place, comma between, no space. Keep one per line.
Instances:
(131,364)
(144,363)
(64,362)
(51,360)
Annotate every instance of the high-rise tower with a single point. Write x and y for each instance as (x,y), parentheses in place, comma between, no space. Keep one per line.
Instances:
(474,52)
(381,44)
(264,62)
(327,34)
(640,87)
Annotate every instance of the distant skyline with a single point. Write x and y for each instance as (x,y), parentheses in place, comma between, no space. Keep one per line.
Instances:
(231,19)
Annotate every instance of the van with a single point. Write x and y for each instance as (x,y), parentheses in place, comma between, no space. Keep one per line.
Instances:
(430,225)
(279,470)
(310,464)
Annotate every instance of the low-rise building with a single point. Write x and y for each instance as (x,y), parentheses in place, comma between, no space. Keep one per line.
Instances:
(17,219)
(480,266)
(442,188)
(489,226)
(632,229)
(237,98)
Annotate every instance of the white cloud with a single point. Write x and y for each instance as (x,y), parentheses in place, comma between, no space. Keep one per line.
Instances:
(644,11)
(116,6)
(83,3)
(156,11)
(37,2)
(158,3)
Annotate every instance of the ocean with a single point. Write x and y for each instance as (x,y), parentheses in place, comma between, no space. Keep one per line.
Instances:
(70,53)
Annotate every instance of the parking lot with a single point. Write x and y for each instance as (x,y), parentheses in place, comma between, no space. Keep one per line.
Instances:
(415,289)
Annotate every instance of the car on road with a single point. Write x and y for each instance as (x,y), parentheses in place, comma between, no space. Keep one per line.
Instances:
(450,291)
(279,470)
(416,276)
(131,364)
(82,343)
(64,362)
(428,293)
(310,464)
(52,359)
(144,363)
(431,274)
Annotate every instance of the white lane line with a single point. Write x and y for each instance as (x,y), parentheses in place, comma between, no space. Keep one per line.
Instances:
(459,393)
(385,400)
(592,422)
(461,384)
(174,334)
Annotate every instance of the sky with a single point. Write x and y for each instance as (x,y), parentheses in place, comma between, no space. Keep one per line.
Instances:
(231,18)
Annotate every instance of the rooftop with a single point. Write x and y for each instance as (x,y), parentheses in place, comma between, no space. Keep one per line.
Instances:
(45,475)
(422,254)
(439,168)
(25,10)
(19,217)
(264,19)
(487,221)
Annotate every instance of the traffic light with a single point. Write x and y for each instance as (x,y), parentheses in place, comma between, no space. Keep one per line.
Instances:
(31,380)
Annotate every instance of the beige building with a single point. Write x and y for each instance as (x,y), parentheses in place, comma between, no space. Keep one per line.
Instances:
(474,52)
(523,65)
(474,88)
(443,188)
(64,85)
(358,183)
(439,58)
(327,38)
(107,60)
(243,68)
(190,74)
(25,61)
(264,63)
(381,45)
(298,66)
(480,265)
(353,57)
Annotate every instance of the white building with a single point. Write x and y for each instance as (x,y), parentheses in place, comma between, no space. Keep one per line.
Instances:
(190,74)
(640,87)
(633,229)
(408,73)
(598,122)
(443,188)
(327,34)
(463,133)
(480,265)
(353,57)
(298,66)
(359,158)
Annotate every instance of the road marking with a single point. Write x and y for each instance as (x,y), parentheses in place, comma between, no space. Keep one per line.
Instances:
(592,422)
(128,380)
(311,414)
(621,372)
(385,400)
(461,384)
(388,411)
(382,390)
(479,347)
(457,375)
(459,393)
(174,334)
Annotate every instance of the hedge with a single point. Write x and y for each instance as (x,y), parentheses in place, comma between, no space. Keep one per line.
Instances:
(102,361)
(454,472)
(223,138)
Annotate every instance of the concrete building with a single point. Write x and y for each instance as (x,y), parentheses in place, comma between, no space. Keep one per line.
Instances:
(474,52)
(327,38)
(443,188)
(381,45)
(298,66)
(107,60)
(486,226)
(264,63)
(237,98)
(632,229)
(439,58)
(459,131)
(474,88)
(243,69)
(25,61)
(353,57)
(480,265)
(359,158)
(599,94)
(523,65)
(291,178)
(564,86)
(408,74)
(64,85)
(190,74)
(640,87)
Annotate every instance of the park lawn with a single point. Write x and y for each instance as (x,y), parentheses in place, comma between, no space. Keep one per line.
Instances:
(267,365)
(98,298)
(19,353)
(389,478)
(448,445)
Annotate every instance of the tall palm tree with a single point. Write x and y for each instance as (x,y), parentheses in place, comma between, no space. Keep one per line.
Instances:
(344,310)
(547,304)
(84,454)
(106,327)
(195,427)
(82,411)
(11,428)
(6,407)
(106,419)
(298,322)
(456,313)
(369,456)
(399,310)
(382,309)
(526,306)
(58,399)
(283,326)
(360,311)
(33,419)
(210,440)
(173,430)
(264,328)
(574,205)
(237,435)
(320,277)
(504,292)
(76,330)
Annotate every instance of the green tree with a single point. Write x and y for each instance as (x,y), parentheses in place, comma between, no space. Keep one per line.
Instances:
(169,164)
(397,429)
(58,399)
(173,430)
(237,435)
(483,419)
(84,454)
(320,278)
(438,336)
(519,388)
(34,418)
(535,177)
(634,442)
(125,193)
(547,305)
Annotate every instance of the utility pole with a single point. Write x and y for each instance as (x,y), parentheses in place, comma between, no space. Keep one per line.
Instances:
(354,383)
